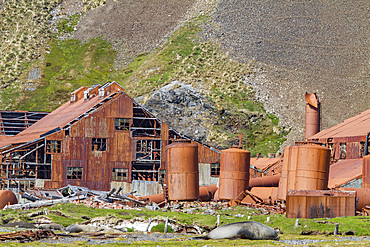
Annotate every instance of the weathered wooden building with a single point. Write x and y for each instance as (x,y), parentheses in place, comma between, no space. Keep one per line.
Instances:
(100,139)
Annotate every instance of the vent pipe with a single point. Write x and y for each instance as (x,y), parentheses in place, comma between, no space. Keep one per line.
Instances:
(312,115)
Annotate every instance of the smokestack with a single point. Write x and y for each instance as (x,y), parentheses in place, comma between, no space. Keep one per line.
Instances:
(312,115)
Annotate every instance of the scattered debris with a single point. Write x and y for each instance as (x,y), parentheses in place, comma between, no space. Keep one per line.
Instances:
(28,236)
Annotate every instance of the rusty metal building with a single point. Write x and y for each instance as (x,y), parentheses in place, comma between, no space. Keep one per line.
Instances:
(100,139)
(347,140)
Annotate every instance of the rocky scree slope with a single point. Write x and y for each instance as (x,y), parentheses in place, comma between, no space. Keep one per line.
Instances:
(301,46)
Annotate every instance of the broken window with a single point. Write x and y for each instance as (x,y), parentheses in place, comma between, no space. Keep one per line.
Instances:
(342,150)
(120,174)
(122,124)
(53,146)
(148,150)
(74,172)
(99,144)
(215,169)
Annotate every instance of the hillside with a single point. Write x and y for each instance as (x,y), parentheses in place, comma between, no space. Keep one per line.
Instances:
(211,69)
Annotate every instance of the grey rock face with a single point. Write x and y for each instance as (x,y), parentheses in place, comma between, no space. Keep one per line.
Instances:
(183,108)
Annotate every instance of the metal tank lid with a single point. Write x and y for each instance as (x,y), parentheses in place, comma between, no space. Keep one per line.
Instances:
(235,149)
(180,143)
(310,145)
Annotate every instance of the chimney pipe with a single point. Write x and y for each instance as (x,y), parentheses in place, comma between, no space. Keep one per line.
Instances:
(312,115)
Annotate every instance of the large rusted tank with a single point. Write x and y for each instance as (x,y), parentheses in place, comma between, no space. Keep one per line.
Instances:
(312,115)
(366,172)
(7,198)
(305,167)
(207,193)
(182,171)
(234,173)
(362,196)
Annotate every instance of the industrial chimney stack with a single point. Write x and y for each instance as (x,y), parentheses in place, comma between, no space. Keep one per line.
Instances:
(312,115)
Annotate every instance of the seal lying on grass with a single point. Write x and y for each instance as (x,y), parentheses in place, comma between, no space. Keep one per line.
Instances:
(246,230)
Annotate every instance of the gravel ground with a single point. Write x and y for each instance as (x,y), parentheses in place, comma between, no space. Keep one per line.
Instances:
(314,46)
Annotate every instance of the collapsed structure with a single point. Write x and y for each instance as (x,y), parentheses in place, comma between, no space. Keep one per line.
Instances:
(100,139)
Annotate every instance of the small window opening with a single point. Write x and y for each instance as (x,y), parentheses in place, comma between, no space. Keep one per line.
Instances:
(343,151)
(53,146)
(120,174)
(122,124)
(99,144)
(215,169)
(74,172)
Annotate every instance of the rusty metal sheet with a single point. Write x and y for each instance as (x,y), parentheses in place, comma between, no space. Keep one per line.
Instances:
(311,204)
(267,194)
(264,163)
(366,172)
(234,173)
(362,196)
(354,126)
(344,171)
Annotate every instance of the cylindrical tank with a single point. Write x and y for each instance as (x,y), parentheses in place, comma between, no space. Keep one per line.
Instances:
(312,115)
(366,172)
(362,196)
(289,164)
(312,168)
(266,181)
(207,193)
(182,171)
(305,167)
(234,173)
(7,197)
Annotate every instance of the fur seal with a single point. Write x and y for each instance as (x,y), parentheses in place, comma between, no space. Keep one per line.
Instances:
(246,230)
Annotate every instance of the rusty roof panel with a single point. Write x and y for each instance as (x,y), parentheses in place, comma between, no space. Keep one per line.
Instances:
(344,171)
(355,126)
(56,119)
(264,163)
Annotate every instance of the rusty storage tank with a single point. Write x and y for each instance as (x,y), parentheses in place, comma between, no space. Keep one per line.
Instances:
(312,168)
(7,197)
(289,168)
(312,125)
(366,172)
(305,167)
(234,173)
(182,171)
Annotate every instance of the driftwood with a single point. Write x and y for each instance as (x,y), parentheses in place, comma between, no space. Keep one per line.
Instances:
(28,236)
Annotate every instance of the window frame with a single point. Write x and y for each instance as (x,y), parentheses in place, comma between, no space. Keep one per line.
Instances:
(122,124)
(53,146)
(116,171)
(101,142)
(78,169)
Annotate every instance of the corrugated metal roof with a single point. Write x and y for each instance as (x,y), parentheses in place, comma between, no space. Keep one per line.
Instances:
(263,163)
(355,126)
(344,171)
(58,118)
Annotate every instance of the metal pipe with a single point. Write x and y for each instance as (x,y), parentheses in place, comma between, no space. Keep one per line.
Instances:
(266,181)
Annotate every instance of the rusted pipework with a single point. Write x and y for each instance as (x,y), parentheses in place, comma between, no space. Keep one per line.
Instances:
(312,115)
(362,196)
(266,181)
(7,197)
(182,171)
(234,173)
(206,193)
(305,167)
(366,172)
